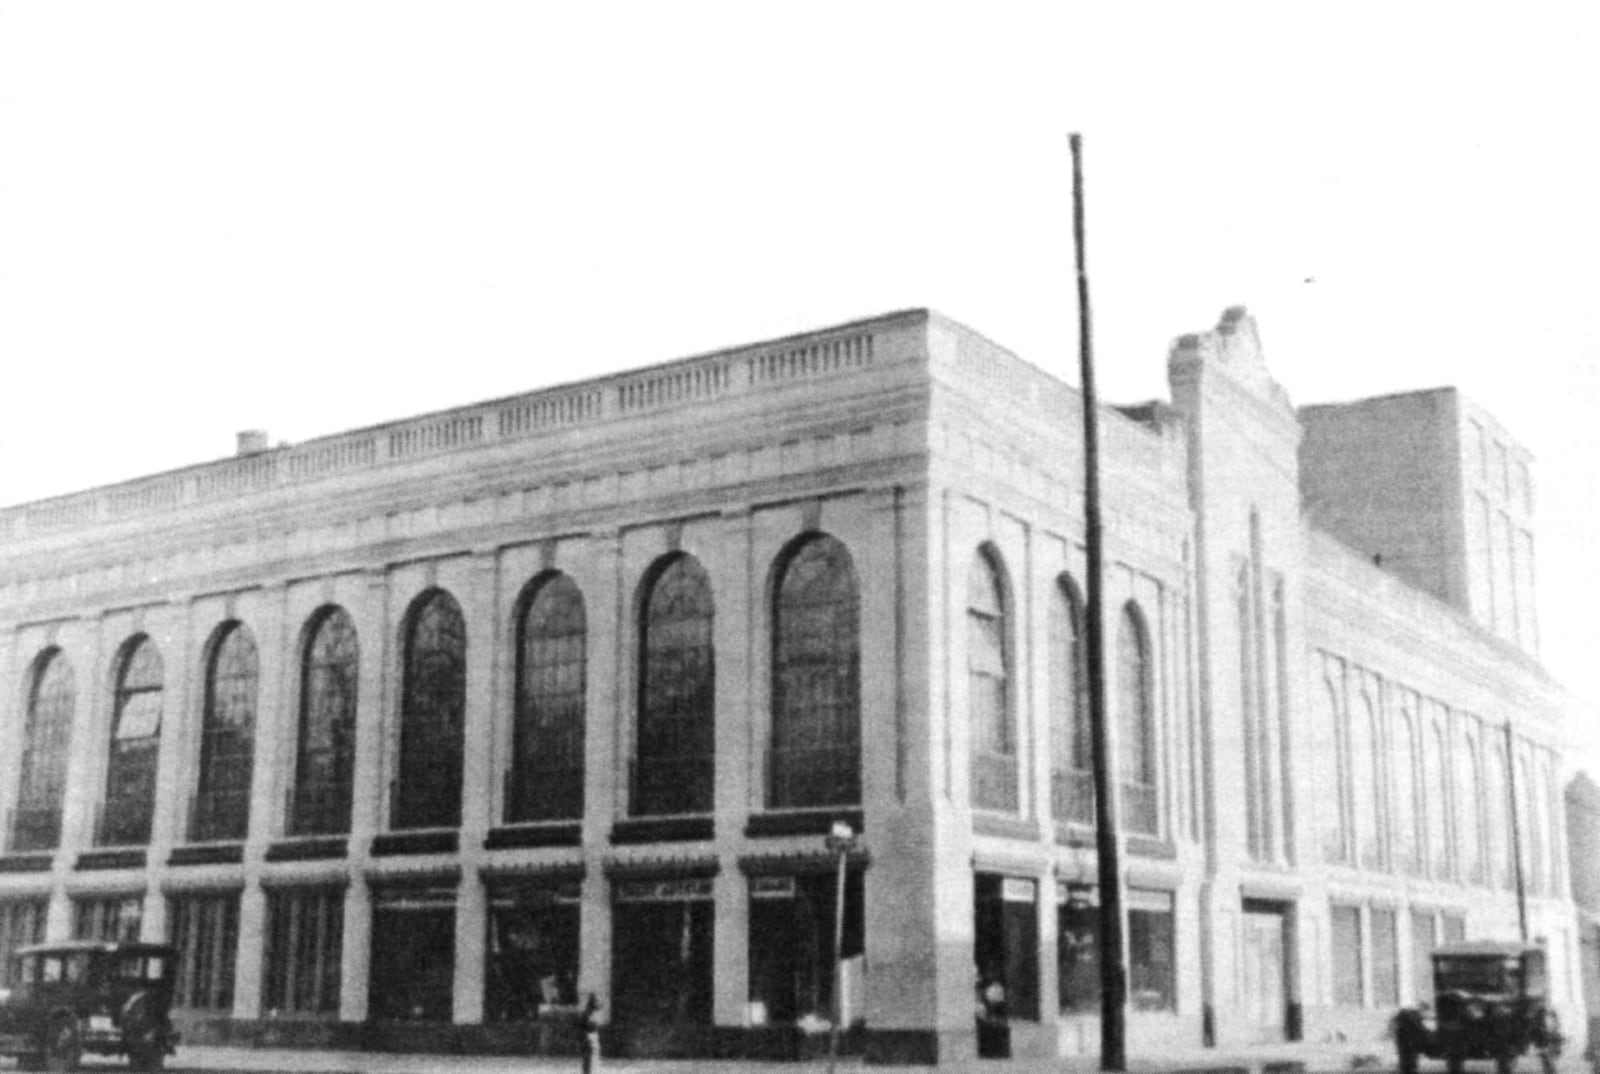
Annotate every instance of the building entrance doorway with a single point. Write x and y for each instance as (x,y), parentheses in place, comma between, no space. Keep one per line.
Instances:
(661,965)
(413,955)
(1264,970)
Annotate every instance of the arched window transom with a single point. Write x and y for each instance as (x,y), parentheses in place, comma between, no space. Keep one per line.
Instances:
(675,750)
(135,739)
(325,747)
(548,749)
(432,711)
(227,739)
(815,759)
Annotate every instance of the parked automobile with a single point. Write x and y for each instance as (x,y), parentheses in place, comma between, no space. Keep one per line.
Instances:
(86,996)
(1491,1001)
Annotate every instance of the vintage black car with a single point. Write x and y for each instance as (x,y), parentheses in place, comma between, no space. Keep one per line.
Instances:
(68,999)
(1491,1001)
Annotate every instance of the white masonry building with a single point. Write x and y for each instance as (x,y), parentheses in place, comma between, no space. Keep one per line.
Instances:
(412,736)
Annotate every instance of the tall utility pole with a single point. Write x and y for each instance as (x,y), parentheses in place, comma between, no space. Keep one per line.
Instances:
(1113,976)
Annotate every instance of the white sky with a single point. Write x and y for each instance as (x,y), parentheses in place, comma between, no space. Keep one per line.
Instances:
(307,217)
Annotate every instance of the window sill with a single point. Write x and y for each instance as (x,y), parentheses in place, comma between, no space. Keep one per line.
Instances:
(1005,827)
(662,830)
(110,859)
(312,849)
(559,834)
(207,854)
(424,842)
(801,822)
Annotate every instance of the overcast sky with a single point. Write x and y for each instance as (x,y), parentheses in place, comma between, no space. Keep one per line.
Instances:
(306,217)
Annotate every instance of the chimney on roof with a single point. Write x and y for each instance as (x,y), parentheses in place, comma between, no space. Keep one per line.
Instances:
(251,442)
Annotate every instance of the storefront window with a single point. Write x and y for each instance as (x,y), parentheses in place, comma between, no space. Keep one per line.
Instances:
(413,954)
(107,917)
(1006,946)
(1385,959)
(1346,938)
(1078,948)
(533,949)
(791,947)
(1152,980)
(661,964)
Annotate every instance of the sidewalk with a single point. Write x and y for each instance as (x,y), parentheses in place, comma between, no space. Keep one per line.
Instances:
(1313,1058)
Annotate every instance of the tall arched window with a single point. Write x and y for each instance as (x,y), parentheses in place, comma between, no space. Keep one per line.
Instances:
(815,759)
(1497,816)
(135,737)
(36,825)
(227,737)
(1407,846)
(675,753)
(1531,823)
(1438,803)
(1071,767)
(994,742)
(432,710)
(1136,724)
(1364,783)
(1333,733)
(548,732)
(325,748)
(1469,800)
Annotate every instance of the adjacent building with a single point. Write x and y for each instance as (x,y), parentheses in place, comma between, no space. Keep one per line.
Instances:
(413,735)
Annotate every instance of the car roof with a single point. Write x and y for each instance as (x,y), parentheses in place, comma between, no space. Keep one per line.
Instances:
(116,947)
(1484,948)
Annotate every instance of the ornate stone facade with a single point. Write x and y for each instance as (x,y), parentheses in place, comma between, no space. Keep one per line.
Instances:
(413,735)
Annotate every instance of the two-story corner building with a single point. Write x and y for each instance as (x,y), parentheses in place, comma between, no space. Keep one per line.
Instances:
(409,735)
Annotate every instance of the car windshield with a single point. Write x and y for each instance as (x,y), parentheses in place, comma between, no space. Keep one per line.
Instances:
(140,968)
(1475,974)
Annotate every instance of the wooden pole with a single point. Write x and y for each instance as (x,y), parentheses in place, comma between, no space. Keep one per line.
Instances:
(1113,975)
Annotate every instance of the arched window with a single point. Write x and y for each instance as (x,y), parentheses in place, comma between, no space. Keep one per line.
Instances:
(1364,783)
(1531,822)
(1497,817)
(815,758)
(1407,846)
(1136,725)
(548,732)
(1333,733)
(1438,804)
(1469,800)
(135,737)
(227,737)
(994,742)
(325,749)
(675,753)
(36,825)
(1071,747)
(432,709)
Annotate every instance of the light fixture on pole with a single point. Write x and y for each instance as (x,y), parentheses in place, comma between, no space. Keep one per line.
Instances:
(841,841)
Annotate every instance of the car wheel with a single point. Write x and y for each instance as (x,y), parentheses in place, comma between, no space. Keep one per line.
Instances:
(146,1049)
(1408,1058)
(63,1049)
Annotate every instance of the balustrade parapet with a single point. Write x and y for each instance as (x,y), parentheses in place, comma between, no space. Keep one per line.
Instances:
(702,379)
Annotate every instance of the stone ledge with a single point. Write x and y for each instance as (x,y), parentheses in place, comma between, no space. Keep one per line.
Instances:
(430,842)
(801,822)
(111,859)
(566,834)
(308,849)
(662,830)
(207,854)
